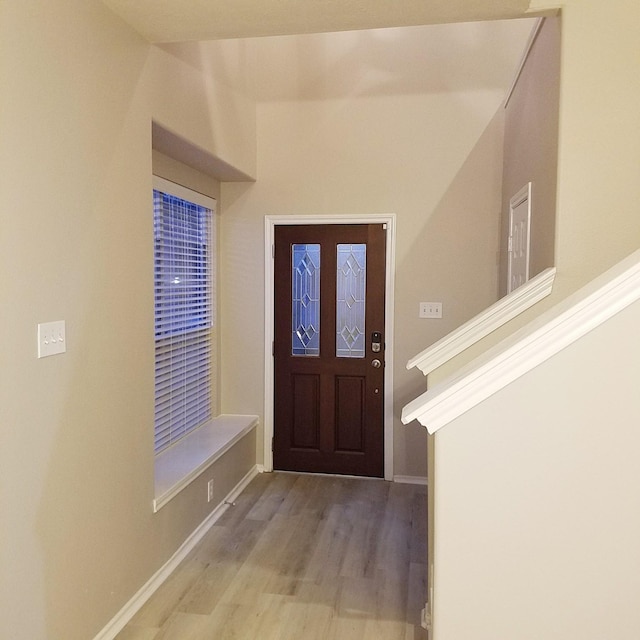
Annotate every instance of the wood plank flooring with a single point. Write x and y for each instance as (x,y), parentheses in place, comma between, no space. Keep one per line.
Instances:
(300,556)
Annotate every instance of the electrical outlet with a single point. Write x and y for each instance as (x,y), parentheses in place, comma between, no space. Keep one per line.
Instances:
(430,310)
(210,490)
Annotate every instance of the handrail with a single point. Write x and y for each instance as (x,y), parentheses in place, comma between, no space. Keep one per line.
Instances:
(484,323)
(541,339)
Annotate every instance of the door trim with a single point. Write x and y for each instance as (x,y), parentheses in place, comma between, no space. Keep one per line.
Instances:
(524,195)
(270,222)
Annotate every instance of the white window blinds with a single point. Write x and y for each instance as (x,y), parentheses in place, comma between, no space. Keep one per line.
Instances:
(183,293)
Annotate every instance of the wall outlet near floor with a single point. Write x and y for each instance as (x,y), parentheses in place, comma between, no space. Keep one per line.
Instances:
(430,310)
(210,490)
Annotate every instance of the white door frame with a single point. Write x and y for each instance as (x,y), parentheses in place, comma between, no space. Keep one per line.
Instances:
(524,195)
(270,223)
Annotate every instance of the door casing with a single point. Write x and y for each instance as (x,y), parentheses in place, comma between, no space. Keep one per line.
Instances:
(523,197)
(388,219)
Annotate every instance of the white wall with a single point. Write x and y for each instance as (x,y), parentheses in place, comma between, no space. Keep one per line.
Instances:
(537,496)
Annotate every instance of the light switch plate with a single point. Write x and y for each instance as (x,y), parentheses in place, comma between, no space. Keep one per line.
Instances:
(52,338)
(430,310)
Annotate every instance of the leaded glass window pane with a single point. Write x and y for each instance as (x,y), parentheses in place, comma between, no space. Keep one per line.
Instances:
(305,300)
(351,298)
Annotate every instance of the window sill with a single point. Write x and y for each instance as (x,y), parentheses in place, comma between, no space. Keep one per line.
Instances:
(178,466)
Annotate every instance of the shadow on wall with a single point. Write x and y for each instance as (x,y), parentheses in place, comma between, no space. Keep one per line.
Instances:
(386,62)
(453,257)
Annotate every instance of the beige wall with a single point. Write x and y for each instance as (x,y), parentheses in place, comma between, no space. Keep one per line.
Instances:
(77,534)
(348,137)
(530,154)
(597,221)
(544,474)
(78,100)
(599,144)
(531,148)
(207,113)
(169,168)
(79,92)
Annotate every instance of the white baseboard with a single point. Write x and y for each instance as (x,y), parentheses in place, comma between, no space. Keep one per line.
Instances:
(118,622)
(410,480)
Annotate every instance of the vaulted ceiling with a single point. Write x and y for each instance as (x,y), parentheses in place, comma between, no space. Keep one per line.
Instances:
(193,20)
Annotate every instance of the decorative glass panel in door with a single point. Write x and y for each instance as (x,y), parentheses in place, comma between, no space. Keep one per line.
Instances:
(305,297)
(351,284)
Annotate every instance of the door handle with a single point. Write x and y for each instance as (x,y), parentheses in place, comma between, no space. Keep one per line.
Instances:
(376,364)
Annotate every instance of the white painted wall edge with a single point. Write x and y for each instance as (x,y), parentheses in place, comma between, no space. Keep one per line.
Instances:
(118,622)
(545,336)
(485,322)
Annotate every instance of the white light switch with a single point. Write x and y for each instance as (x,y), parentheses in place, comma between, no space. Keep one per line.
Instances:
(430,310)
(52,338)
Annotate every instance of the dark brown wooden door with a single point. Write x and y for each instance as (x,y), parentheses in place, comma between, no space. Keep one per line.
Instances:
(329,349)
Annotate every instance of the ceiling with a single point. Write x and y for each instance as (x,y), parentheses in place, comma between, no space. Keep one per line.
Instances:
(197,20)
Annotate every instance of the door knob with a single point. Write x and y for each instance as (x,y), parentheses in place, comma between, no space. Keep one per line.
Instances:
(376,363)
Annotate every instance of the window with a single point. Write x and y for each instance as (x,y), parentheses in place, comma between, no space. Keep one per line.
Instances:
(183,227)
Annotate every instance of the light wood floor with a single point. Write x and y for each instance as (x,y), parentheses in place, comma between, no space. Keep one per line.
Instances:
(300,557)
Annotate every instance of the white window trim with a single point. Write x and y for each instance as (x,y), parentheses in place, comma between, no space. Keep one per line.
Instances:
(189,195)
(389,219)
(177,466)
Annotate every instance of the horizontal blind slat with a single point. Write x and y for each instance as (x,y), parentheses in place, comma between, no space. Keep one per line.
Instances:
(183,313)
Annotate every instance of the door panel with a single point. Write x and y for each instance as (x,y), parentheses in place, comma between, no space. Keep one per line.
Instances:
(350,409)
(306,418)
(329,301)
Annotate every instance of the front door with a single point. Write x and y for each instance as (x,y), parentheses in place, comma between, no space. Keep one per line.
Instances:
(329,348)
